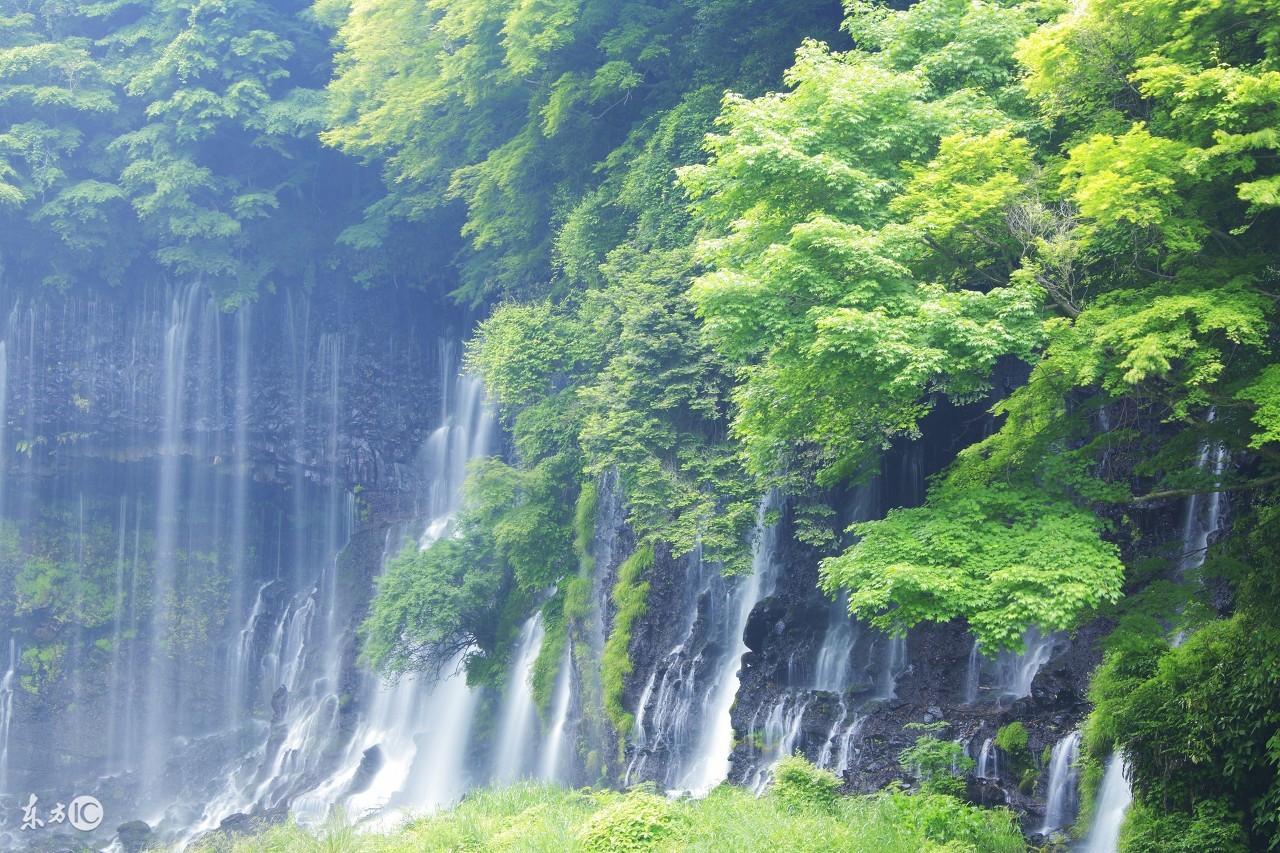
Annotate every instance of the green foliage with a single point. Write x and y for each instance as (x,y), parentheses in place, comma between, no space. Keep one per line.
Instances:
(43,665)
(66,575)
(477,105)
(192,612)
(1012,740)
(1004,558)
(584,520)
(939,764)
(833,289)
(1199,725)
(626,383)
(468,589)
(796,780)
(1213,826)
(165,139)
(910,212)
(637,821)
(546,666)
(631,599)
(542,818)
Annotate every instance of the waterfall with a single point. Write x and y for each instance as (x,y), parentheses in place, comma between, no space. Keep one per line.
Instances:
(240,455)
(162,699)
(1015,673)
(552,765)
(683,733)
(1203,516)
(973,674)
(410,746)
(7,688)
(1108,815)
(988,761)
(184,475)
(4,419)
(893,662)
(1203,512)
(1061,800)
(116,735)
(780,734)
(837,753)
(518,719)
(833,670)
(709,764)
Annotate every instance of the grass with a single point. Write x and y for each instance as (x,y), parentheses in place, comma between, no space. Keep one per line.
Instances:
(536,817)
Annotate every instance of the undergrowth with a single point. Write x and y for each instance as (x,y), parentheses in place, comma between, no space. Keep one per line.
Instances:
(800,814)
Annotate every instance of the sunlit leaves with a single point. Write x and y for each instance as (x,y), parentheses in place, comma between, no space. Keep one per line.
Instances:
(1003,557)
(1264,393)
(824,206)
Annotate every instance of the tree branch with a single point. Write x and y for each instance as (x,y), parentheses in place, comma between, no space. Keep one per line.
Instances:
(1186,493)
(933,244)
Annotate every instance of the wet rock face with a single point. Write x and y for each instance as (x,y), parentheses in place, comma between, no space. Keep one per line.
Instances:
(89,379)
(787,638)
(134,836)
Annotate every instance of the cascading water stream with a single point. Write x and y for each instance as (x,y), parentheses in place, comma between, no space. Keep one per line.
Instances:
(408,751)
(1114,798)
(988,761)
(7,687)
(186,475)
(973,674)
(1061,800)
(1204,512)
(513,747)
(551,767)
(1015,673)
(849,654)
(893,662)
(1203,516)
(160,699)
(779,735)
(4,419)
(683,734)
(709,761)
(833,669)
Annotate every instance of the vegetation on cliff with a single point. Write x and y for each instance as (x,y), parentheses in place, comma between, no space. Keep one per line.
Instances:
(1088,191)
(730,246)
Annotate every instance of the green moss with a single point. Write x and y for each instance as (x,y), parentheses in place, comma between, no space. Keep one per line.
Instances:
(631,597)
(1012,738)
(1090,773)
(43,665)
(938,763)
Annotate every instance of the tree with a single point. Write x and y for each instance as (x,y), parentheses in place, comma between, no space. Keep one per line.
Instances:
(904,217)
